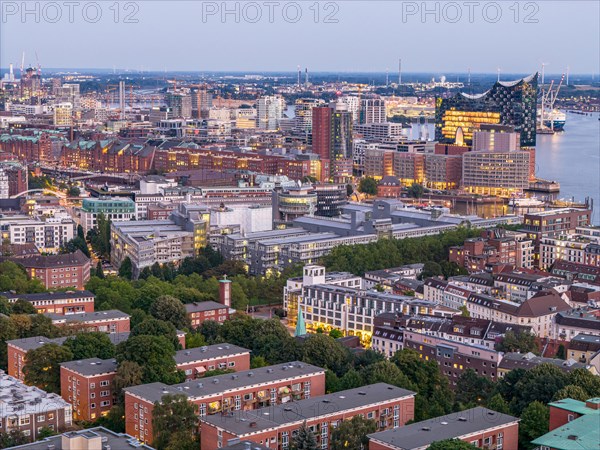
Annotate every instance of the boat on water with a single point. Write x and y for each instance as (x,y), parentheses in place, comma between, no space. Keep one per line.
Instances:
(554,119)
(526,202)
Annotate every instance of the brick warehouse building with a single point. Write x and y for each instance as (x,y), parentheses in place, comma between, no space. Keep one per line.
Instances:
(271,385)
(479,426)
(69,302)
(390,406)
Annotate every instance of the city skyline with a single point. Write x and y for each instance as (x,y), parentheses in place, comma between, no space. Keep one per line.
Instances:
(364,39)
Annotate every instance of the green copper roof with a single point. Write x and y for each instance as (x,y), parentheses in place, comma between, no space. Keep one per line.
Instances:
(300,325)
(580,434)
(568,404)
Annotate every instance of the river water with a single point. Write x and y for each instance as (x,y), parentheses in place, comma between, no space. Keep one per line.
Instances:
(573,159)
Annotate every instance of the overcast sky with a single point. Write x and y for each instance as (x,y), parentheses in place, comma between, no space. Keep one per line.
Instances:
(344,36)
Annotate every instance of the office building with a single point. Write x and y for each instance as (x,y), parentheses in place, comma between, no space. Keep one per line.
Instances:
(63,114)
(293,202)
(269,111)
(332,138)
(303,110)
(372,110)
(511,103)
(501,173)
(180,104)
(112,208)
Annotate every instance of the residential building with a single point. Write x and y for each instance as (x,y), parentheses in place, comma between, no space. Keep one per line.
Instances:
(67,270)
(195,362)
(68,302)
(110,321)
(180,104)
(88,439)
(303,111)
(373,110)
(573,322)
(478,426)
(223,394)
(112,208)
(390,406)
(583,348)
(573,424)
(48,234)
(28,409)
(527,361)
(17,349)
(198,312)
(63,114)
(577,272)
(87,385)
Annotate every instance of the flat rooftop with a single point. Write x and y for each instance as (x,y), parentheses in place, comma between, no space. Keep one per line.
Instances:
(17,399)
(208,352)
(207,387)
(32,343)
(247,422)
(91,366)
(88,317)
(48,295)
(116,441)
(421,434)
(581,433)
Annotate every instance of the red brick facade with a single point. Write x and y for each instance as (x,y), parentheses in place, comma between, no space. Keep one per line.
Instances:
(70,270)
(138,410)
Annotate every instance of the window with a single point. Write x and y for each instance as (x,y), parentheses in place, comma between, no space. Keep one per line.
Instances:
(248,396)
(202,409)
(105,403)
(238,402)
(104,393)
(570,417)
(188,372)
(93,405)
(27,432)
(103,383)
(50,416)
(92,385)
(231,363)
(24,420)
(41,418)
(222,365)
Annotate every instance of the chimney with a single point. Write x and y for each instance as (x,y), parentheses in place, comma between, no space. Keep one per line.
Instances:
(225,291)
(593,403)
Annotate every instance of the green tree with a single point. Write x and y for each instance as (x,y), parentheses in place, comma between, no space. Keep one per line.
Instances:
(497,403)
(23,307)
(416,190)
(323,351)
(522,341)
(431,269)
(45,432)
(587,381)
(80,232)
(538,384)
(129,373)
(385,372)
(154,354)
(304,439)
(571,391)
(90,345)
(472,389)
(534,423)
(171,416)
(451,444)
(335,333)
(332,382)
(73,191)
(75,244)
(12,439)
(99,270)
(464,311)
(258,361)
(368,186)
(210,330)
(353,434)
(5,306)
(351,379)
(114,420)
(170,309)
(155,327)
(42,366)
(126,269)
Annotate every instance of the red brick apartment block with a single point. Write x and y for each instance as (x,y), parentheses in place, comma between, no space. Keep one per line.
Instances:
(111,321)
(18,348)
(273,427)
(567,410)
(196,361)
(61,303)
(241,391)
(59,271)
(479,426)
(87,385)
(201,311)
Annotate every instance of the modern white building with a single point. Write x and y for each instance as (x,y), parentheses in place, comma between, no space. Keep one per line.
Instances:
(48,234)
(4,187)
(373,110)
(63,114)
(269,111)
